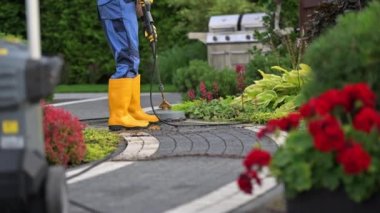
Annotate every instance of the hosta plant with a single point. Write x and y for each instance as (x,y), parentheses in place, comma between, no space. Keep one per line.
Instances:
(275,92)
(333,143)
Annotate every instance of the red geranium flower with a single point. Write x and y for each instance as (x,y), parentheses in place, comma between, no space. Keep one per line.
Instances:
(244,183)
(308,110)
(327,133)
(366,120)
(331,99)
(354,159)
(253,174)
(361,92)
(257,157)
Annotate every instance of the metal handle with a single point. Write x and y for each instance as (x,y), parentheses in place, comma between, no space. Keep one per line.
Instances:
(34,32)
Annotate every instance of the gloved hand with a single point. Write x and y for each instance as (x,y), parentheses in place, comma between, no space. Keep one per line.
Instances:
(142,2)
(153,36)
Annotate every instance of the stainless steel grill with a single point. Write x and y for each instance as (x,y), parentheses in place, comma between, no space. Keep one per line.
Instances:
(231,38)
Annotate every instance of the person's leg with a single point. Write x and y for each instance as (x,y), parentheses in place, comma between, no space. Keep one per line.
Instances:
(130,21)
(120,84)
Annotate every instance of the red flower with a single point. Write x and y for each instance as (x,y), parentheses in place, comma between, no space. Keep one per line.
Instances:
(291,121)
(360,92)
(203,90)
(354,159)
(309,109)
(257,157)
(366,120)
(244,183)
(327,133)
(253,174)
(285,124)
(191,94)
(240,69)
(262,132)
(209,96)
(331,99)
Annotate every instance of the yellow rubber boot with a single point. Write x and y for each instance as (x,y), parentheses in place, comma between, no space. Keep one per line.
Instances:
(119,99)
(135,106)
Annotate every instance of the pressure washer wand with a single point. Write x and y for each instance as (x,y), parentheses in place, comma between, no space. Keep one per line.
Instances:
(149,27)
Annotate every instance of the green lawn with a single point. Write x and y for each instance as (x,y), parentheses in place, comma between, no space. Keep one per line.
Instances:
(95,88)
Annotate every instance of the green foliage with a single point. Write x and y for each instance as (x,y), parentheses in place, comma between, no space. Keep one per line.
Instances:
(194,15)
(299,149)
(99,143)
(178,57)
(221,110)
(275,92)
(289,11)
(215,110)
(347,53)
(12,17)
(272,97)
(265,61)
(11,38)
(69,28)
(187,78)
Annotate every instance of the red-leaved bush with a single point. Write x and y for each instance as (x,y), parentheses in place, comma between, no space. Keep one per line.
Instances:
(63,132)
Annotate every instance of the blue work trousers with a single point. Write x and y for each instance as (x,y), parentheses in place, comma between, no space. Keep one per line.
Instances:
(120,25)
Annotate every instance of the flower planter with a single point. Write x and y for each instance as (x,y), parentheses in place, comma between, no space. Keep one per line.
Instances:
(323,200)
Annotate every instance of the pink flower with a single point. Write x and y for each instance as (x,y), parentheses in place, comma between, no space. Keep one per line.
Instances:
(191,94)
(203,90)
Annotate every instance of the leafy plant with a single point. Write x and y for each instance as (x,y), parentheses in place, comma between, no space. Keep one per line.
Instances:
(214,110)
(265,61)
(190,77)
(275,92)
(99,143)
(347,53)
(325,148)
(63,133)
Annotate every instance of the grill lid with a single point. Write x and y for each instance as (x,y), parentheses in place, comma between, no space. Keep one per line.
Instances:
(253,21)
(225,23)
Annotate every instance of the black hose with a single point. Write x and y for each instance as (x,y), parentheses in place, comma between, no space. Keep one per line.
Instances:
(97,163)
(156,71)
(82,206)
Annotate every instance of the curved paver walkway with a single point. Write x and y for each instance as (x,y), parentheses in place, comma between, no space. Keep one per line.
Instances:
(233,141)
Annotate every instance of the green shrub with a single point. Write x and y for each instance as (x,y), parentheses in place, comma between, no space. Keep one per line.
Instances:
(226,80)
(178,57)
(190,77)
(347,53)
(12,17)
